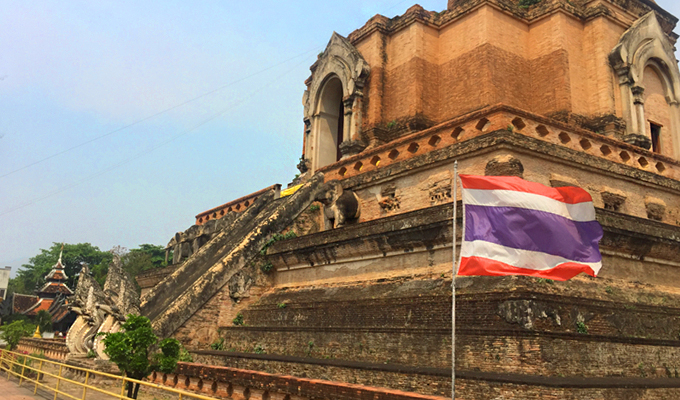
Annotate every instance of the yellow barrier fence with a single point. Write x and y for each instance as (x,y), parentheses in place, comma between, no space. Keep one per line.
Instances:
(22,367)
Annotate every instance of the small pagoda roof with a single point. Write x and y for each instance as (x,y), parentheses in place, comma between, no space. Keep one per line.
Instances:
(57,274)
(55,287)
(57,271)
(55,279)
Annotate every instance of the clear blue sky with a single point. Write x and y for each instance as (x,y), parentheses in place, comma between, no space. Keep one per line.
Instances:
(71,71)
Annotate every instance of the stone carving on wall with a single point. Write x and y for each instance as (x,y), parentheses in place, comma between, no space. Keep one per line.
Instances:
(504,165)
(342,60)
(100,310)
(646,45)
(613,199)
(340,205)
(656,208)
(389,201)
(438,187)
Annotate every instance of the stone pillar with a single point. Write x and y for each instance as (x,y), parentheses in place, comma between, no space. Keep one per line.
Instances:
(181,382)
(208,387)
(352,143)
(627,105)
(313,148)
(347,107)
(257,394)
(223,390)
(176,254)
(306,152)
(674,129)
(240,392)
(637,129)
(194,383)
(356,116)
(639,102)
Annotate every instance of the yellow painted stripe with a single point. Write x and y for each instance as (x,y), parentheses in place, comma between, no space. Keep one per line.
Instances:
(290,190)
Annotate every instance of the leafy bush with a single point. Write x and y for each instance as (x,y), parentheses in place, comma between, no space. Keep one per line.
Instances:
(12,333)
(218,344)
(267,267)
(276,238)
(581,328)
(185,356)
(134,351)
(528,3)
(238,320)
(20,362)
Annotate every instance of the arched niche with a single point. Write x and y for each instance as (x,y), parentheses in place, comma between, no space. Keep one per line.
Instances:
(333,103)
(657,110)
(330,122)
(645,48)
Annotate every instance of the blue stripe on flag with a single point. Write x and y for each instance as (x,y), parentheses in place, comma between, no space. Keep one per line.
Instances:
(526,229)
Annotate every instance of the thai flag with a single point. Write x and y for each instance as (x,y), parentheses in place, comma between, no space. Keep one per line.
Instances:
(516,227)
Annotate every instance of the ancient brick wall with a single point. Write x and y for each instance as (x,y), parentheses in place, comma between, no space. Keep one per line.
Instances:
(505,326)
(582,355)
(426,381)
(475,389)
(202,328)
(441,65)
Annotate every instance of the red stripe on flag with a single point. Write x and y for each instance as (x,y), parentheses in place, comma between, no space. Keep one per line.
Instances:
(568,194)
(488,267)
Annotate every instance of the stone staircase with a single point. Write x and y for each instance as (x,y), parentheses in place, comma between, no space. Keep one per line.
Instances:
(170,303)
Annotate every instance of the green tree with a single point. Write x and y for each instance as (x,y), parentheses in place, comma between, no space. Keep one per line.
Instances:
(31,276)
(13,332)
(135,351)
(44,321)
(144,258)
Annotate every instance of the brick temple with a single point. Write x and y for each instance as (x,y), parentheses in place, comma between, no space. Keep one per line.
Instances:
(340,285)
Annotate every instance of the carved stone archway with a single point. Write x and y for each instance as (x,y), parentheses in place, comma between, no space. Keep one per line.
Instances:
(644,45)
(341,61)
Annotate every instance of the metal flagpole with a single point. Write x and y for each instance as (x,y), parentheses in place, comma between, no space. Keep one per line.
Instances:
(453,284)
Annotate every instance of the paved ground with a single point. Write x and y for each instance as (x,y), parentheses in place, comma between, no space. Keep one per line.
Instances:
(11,391)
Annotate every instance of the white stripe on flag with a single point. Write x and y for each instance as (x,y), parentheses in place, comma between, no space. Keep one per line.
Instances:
(509,198)
(518,258)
